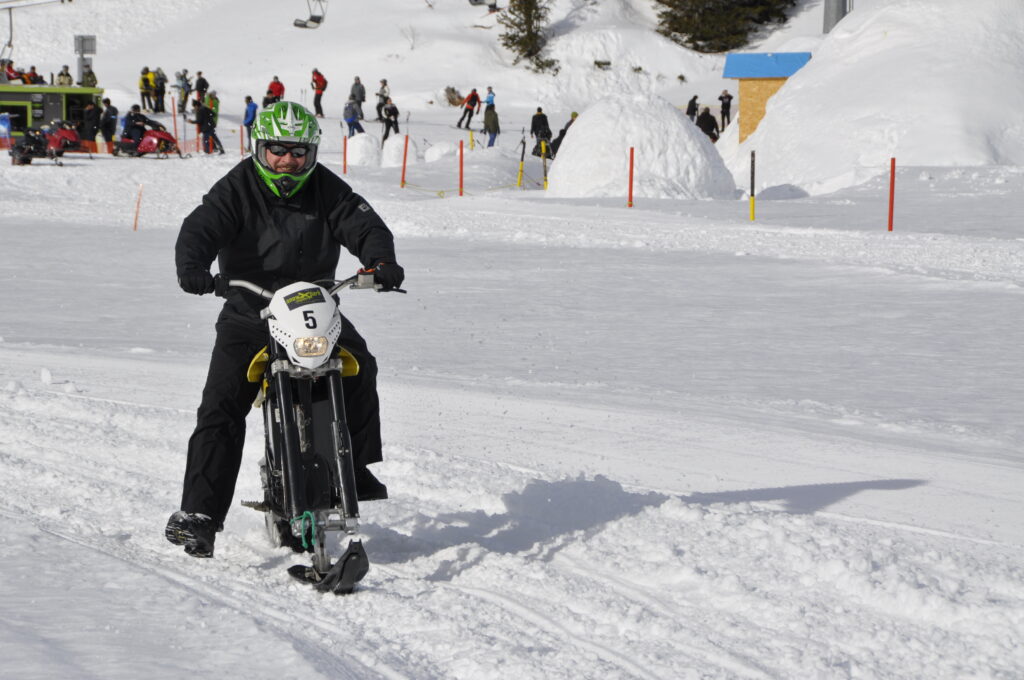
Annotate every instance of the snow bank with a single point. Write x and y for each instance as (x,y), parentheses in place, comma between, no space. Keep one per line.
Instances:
(897,79)
(674,159)
(364,150)
(394,149)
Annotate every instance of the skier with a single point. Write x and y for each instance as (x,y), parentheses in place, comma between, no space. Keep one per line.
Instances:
(318,84)
(383,94)
(282,200)
(351,116)
(471,102)
(561,134)
(390,120)
(707,123)
(358,92)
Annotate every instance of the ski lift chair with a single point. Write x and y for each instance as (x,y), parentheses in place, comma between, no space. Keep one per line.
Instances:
(317,11)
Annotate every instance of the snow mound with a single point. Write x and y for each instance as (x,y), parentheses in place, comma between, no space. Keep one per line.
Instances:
(437,151)
(394,150)
(895,80)
(364,150)
(674,159)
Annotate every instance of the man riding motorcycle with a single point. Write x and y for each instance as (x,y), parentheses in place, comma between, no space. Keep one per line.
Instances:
(275,218)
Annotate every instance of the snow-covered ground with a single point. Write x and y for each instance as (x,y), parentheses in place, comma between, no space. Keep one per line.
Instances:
(659,442)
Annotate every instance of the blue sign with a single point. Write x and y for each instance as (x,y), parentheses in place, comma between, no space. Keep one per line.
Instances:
(5,126)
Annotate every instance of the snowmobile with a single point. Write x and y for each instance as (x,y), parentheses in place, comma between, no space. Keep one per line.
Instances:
(50,141)
(307,472)
(158,141)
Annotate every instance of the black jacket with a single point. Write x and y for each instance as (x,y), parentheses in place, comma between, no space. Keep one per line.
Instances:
(109,118)
(255,235)
(205,120)
(539,126)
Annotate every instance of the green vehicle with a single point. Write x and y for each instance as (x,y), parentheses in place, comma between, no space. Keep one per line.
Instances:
(32,106)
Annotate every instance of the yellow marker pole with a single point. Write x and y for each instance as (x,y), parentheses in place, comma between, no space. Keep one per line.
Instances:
(544,160)
(751,186)
(471,144)
(522,157)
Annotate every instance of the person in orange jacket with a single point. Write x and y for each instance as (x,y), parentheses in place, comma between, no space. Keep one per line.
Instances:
(471,102)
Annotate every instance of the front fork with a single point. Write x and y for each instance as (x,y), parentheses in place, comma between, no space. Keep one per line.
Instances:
(291,463)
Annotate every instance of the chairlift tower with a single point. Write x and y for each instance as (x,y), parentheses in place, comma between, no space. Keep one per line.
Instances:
(10,5)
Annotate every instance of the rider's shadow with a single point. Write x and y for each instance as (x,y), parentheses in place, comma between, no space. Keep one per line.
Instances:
(544,510)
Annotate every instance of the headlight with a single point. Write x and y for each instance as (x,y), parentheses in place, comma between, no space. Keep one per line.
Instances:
(311,347)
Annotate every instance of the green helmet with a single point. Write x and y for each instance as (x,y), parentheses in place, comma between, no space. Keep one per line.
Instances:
(290,123)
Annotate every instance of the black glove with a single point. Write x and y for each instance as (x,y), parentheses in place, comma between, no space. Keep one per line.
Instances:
(389,275)
(196,282)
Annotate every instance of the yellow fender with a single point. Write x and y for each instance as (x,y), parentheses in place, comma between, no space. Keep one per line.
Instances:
(258,367)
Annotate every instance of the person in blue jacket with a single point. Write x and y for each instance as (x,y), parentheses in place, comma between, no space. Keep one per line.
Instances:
(250,118)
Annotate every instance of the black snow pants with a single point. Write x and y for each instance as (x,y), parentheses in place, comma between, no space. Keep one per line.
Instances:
(215,448)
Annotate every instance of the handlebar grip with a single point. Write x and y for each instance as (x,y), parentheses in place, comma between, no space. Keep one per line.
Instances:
(220,286)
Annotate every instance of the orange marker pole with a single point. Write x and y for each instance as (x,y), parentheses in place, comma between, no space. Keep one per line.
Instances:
(461,151)
(344,154)
(631,154)
(138,204)
(892,189)
(405,159)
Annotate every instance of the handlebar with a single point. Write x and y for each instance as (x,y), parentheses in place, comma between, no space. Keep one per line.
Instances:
(361,279)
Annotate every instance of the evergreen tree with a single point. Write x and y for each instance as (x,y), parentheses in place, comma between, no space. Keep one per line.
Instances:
(525,22)
(718,25)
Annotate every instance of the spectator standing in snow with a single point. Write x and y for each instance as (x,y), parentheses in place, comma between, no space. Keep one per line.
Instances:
(707,123)
(184,87)
(383,94)
(488,98)
(275,90)
(159,90)
(726,100)
(390,119)
(90,122)
(213,103)
(206,121)
(146,89)
(108,121)
(64,78)
(358,92)
(491,126)
(541,130)
(319,84)
(88,77)
(351,116)
(471,102)
(691,107)
(202,85)
(250,118)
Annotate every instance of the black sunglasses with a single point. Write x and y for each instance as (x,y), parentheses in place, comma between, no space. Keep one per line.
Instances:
(281,150)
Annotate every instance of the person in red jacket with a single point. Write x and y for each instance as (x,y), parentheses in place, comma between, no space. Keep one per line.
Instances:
(471,102)
(275,91)
(319,84)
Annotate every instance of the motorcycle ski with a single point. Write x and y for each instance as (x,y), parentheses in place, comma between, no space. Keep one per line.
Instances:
(159,142)
(307,472)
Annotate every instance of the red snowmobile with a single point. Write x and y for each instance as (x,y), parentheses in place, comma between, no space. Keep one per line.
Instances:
(50,141)
(158,141)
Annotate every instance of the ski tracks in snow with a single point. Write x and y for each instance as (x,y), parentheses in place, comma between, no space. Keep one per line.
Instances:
(474,562)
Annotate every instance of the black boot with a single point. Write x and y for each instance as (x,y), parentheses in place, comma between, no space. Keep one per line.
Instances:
(368,487)
(195,531)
